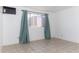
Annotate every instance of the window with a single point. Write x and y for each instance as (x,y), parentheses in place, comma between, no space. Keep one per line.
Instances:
(36,20)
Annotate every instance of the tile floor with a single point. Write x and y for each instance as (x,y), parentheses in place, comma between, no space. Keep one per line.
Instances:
(43,46)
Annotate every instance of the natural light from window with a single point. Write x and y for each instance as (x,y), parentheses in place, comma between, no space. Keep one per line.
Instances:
(36,20)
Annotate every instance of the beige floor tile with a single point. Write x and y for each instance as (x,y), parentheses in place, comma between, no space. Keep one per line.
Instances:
(43,46)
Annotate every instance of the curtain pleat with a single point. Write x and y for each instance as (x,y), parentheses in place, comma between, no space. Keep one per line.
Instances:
(47,28)
(24,32)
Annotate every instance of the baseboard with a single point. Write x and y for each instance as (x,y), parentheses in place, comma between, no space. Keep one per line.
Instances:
(15,43)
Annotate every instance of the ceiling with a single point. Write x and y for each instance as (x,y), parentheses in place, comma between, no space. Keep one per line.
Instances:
(50,8)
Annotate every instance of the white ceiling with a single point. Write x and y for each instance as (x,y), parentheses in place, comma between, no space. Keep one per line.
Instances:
(50,8)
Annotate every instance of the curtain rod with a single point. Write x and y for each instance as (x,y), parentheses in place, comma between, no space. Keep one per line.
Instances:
(35,12)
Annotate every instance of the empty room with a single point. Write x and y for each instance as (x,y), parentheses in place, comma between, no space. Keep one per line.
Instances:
(39,29)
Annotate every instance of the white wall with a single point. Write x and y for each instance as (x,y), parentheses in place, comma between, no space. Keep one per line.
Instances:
(66,24)
(1,26)
(36,33)
(51,22)
(11,27)
(63,24)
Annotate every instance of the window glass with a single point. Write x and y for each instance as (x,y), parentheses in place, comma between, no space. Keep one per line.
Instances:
(36,20)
